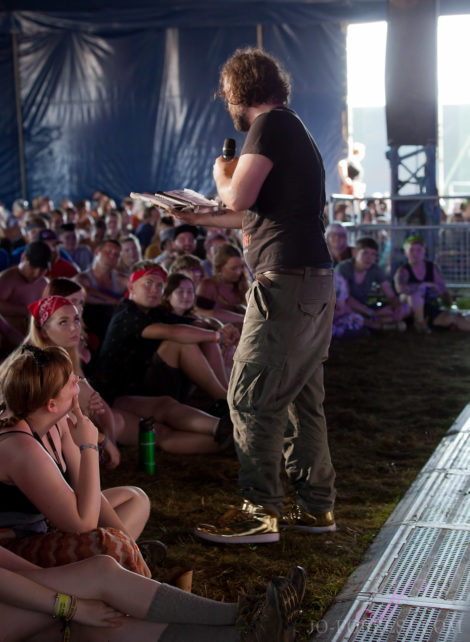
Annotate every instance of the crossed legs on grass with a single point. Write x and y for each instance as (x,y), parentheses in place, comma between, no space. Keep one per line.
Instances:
(157,611)
(180,429)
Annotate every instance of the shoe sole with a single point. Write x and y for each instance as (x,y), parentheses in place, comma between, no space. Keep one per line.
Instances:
(267,538)
(310,529)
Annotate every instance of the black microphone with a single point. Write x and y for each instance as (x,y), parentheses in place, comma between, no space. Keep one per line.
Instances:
(229,149)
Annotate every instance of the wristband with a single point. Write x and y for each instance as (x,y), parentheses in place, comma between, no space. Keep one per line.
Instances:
(61,605)
(85,446)
(218,337)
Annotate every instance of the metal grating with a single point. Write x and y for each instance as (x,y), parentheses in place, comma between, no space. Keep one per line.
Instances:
(418,587)
(447,500)
(380,623)
(452,453)
(434,563)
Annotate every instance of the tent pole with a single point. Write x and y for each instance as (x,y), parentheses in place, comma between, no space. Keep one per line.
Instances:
(259,36)
(19,115)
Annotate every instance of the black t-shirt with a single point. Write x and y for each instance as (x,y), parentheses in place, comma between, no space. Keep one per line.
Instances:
(284,227)
(125,355)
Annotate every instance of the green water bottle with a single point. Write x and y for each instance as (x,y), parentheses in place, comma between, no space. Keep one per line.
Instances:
(147,445)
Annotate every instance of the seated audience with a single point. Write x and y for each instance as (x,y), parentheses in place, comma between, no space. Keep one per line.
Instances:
(102,282)
(360,274)
(337,241)
(212,241)
(59,266)
(184,237)
(56,219)
(30,227)
(345,321)
(189,265)
(22,284)
(154,249)
(224,293)
(84,217)
(113,220)
(89,343)
(148,351)
(167,247)
(146,230)
(178,429)
(97,600)
(130,254)
(179,297)
(81,254)
(97,234)
(60,486)
(420,284)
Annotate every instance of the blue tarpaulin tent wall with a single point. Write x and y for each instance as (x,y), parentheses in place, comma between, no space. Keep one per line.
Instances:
(119,96)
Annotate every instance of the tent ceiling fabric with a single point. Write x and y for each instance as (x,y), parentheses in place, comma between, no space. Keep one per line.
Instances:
(118,95)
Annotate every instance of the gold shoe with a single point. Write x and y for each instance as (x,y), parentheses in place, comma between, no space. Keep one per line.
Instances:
(249,524)
(297,517)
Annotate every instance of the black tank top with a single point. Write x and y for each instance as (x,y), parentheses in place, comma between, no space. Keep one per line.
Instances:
(428,276)
(13,500)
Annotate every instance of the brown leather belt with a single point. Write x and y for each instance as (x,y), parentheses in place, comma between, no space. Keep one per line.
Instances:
(300,271)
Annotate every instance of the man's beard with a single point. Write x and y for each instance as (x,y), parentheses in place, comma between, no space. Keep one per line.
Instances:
(240,120)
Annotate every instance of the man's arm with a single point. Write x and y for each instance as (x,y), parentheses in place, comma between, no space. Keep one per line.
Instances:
(178,332)
(221,218)
(239,183)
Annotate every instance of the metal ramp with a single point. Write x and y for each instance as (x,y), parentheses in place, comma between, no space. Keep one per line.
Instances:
(414,582)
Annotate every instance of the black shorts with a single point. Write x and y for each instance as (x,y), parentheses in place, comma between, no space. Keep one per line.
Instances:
(161,379)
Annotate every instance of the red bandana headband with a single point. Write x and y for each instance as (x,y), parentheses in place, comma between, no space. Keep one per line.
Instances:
(138,274)
(44,308)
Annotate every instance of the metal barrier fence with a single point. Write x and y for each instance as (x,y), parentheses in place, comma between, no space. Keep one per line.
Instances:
(447,244)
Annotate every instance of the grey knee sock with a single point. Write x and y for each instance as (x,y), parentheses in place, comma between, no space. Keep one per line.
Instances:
(170,604)
(199,633)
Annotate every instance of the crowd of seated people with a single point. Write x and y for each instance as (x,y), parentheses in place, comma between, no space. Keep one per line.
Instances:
(415,296)
(92,338)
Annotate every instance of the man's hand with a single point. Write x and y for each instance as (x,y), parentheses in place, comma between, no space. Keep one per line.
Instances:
(224,168)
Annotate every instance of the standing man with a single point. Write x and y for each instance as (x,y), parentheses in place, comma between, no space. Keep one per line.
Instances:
(275,192)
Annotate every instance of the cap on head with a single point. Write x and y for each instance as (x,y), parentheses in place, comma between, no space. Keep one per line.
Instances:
(180,229)
(47,235)
(414,238)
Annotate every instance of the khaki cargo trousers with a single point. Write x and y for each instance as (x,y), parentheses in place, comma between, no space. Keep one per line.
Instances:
(276,390)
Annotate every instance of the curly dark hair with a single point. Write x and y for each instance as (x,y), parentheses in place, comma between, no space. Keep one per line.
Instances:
(254,78)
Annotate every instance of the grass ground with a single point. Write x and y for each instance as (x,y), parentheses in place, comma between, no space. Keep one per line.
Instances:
(389,400)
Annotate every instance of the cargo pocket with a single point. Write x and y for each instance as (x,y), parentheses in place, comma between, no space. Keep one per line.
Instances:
(254,385)
(259,301)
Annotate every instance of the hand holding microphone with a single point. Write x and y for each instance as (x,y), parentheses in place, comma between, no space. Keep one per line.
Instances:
(225,165)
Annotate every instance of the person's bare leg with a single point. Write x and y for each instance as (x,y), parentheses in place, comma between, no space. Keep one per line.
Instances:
(189,358)
(178,442)
(166,410)
(132,507)
(215,358)
(416,302)
(446,318)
